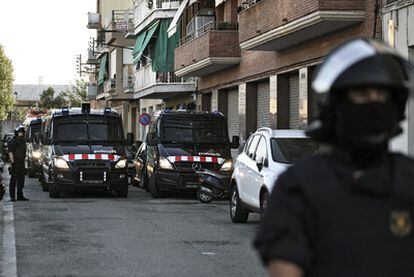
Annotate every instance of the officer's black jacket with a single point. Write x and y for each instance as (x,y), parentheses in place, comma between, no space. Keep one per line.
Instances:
(319,218)
(18,147)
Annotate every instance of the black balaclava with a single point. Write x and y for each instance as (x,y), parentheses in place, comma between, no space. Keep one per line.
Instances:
(364,130)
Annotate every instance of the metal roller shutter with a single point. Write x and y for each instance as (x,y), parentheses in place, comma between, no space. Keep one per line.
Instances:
(294,101)
(263,99)
(233,115)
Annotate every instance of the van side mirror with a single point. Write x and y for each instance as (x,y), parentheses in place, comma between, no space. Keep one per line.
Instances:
(130,139)
(152,139)
(235,143)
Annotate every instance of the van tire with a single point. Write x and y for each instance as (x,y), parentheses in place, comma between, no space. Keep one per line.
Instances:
(53,192)
(122,192)
(153,189)
(31,173)
(45,186)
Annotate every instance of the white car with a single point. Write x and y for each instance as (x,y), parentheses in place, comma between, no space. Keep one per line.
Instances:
(266,154)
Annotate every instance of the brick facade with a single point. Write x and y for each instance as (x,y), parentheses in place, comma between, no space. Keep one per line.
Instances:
(261,64)
(210,44)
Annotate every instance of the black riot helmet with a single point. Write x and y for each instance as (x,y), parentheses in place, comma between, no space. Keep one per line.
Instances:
(18,129)
(359,64)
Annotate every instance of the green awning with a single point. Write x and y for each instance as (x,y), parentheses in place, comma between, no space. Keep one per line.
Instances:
(163,60)
(148,35)
(102,69)
(138,46)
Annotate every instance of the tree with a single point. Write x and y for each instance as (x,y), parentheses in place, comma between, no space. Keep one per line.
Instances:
(49,101)
(6,85)
(76,94)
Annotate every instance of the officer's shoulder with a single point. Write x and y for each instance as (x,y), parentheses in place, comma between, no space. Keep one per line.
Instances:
(310,168)
(404,164)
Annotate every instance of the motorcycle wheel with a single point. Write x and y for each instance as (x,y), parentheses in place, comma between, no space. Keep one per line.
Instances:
(204,197)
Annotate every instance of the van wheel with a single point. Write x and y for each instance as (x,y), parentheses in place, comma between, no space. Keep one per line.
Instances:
(31,173)
(237,213)
(45,186)
(264,198)
(53,192)
(144,182)
(154,190)
(122,192)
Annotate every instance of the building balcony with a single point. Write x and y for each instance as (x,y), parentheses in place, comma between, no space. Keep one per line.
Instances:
(272,25)
(145,13)
(211,48)
(161,85)
(120,23)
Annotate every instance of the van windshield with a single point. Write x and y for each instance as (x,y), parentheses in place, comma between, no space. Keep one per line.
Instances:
(87,130)
(193,130)
(34,129)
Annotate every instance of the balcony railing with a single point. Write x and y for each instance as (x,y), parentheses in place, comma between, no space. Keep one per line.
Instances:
(143,8)
(211,26)
(145,77)
(245,4)
(120,20)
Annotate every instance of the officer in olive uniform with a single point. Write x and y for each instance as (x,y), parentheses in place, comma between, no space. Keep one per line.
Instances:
(17,155)
(348,212)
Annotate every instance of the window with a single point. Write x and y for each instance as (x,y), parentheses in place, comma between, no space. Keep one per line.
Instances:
(290,150)
(261,151)
(252,147)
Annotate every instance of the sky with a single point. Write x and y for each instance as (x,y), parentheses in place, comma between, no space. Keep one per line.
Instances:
(43,37)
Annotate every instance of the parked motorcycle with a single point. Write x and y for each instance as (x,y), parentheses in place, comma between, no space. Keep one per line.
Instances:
(211,185)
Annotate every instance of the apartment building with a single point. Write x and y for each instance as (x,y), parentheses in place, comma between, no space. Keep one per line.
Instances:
(111,53)
(154,55)
(398,30)
(254,59)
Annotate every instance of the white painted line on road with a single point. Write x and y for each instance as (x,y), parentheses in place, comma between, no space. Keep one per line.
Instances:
(8,265)
(208,253)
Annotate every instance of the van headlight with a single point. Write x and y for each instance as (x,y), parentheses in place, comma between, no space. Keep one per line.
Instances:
(165,164)
(227,165)
(121,164)
(37,154)
(60,163)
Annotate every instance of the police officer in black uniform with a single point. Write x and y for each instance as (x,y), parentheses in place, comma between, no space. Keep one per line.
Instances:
(349,211)
(17,155)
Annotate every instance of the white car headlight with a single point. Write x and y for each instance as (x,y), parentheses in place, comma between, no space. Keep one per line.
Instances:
(60,163)
(121,164)
(37,154)
(165,164)
(227,165)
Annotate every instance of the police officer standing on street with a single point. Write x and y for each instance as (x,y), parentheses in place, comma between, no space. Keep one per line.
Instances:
(349,211)
(17,155)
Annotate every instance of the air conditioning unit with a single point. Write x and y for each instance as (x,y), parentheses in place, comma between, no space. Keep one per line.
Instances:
(94,20)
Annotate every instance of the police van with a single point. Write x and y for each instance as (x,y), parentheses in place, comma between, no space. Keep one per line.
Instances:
(180,144)
(84,149)
(33,127)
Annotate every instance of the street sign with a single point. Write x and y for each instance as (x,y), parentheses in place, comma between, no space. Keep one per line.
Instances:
(144,119)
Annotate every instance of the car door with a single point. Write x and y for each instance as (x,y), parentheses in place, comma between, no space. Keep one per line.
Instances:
(260,173)
(247,169)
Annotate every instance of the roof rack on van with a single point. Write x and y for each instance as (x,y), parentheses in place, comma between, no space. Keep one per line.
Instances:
(265,129)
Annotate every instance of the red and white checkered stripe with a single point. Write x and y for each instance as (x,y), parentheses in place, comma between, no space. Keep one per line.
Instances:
(199,159)
(76,157)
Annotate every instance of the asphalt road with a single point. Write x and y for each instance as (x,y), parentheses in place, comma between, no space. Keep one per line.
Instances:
(99,235)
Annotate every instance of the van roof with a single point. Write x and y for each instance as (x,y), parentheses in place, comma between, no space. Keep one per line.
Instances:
(187,113)
(78,111)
